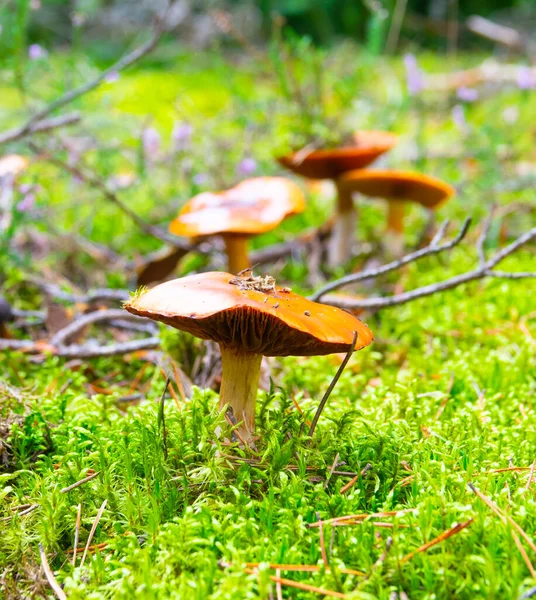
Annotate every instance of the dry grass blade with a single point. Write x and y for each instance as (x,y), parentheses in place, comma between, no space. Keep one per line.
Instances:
(76,533)
(333,466)
(322,541)
(355,479)
(503,516)
(92,532)
(531,477)
(302,586)
(332,385)
(79,483)
(56,588)
(440,538)
(278,587)
(363,516)
(299,568)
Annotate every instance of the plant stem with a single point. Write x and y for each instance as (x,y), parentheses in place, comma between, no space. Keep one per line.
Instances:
(236,247)
(342,236)
(394,241)
(239,384)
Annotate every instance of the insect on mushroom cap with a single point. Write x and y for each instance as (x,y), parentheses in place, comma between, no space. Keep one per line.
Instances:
(251,314)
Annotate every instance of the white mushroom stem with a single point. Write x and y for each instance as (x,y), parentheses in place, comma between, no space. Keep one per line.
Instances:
(236,247)
(394,240)
(239,385)
(344,227)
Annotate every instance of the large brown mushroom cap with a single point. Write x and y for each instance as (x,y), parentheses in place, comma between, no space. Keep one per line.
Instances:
(252,207)
(398,185)
(251,314)
(329,163)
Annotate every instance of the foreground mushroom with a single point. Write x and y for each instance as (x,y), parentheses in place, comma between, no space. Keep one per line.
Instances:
(330,163)
(252,207)
(397,187)
(249,317)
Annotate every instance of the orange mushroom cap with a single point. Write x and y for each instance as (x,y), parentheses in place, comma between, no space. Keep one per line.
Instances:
(251,314)
(329,163)
(252,207)
(398,185)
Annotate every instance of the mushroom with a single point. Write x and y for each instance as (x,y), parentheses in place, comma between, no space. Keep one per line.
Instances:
(397,187)
(249,317)
(252,207)
(330,163)
(6,315)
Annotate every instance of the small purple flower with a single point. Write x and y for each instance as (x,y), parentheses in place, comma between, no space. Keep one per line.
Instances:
(35,52)
(181,136)
(458,117)
(466,94)
(27,203)
(200,178)
(112,77)
(246,166)
(414,76)
(525,79)
(150,139)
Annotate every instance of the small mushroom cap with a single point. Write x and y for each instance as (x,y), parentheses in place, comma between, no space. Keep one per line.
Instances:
(251,314)
(329,163)
(398,185)
(12,164)
(252,207)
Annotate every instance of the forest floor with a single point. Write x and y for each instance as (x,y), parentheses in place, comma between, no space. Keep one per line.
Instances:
(442,406)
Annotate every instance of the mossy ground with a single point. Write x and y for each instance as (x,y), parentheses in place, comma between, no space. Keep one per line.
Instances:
(444,397)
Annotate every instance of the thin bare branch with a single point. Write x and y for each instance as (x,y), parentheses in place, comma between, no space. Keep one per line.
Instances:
(40,127)
(138,53)
(482,271)
(430,250)
(94,182)
(63,335)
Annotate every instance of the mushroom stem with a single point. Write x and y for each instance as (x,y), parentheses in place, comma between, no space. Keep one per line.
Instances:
(344,226)
(239,384)
(236,247)
(395,227)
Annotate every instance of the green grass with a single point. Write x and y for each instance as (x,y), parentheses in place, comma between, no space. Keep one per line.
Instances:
(443,398)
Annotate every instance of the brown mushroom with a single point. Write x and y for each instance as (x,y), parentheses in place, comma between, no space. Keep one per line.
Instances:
(330,163)
(249,317)
(397,187)
(252,207)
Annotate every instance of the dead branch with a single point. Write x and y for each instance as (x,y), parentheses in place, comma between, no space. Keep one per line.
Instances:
(138,53)
(506,36)
(483,270)
(40,127)
(63,336)
(94,182)
(93,297)
(430,250)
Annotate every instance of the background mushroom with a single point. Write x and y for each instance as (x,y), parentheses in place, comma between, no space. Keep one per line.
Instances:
(397,187)
(329,163)
(252,207)
(249,317)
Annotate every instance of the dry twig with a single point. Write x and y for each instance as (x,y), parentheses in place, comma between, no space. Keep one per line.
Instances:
(440,538)
(92,531)
(482,271)
(56,588)
(36,120)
